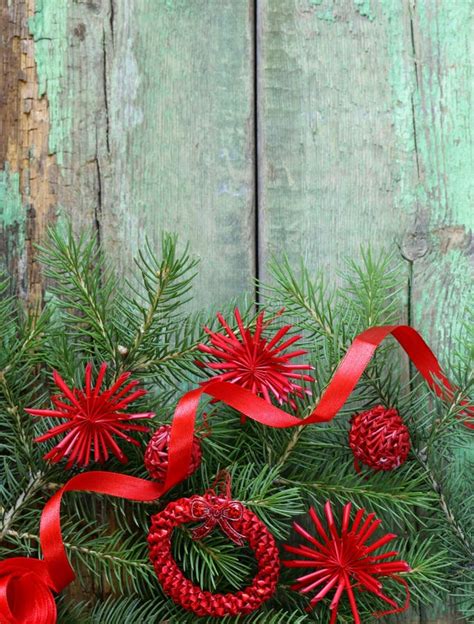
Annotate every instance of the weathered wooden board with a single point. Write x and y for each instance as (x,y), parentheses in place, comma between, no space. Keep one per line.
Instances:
(443,121)
(148,114)
(28,171)
(327,146)
(365,120)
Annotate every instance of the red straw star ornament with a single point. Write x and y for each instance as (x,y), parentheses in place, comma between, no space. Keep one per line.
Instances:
(345,561)
(93,417)
(261,365)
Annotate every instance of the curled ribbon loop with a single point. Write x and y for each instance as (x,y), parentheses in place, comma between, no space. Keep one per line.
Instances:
(215,510)
(26,592)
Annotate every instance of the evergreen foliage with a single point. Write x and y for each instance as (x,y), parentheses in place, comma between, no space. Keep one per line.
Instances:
(144,326)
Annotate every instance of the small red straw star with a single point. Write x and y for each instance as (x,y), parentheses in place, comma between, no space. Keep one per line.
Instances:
(339,560)
(93,419)
(256,363)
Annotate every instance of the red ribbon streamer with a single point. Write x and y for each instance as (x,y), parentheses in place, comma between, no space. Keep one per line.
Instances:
(58,572)
(25,592)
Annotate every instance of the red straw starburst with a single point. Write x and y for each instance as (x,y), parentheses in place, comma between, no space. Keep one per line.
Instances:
(93,418)
(258,364)
(344,561)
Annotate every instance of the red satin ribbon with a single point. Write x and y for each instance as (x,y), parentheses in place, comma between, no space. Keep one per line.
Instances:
(181,438)
(25,592)
(111,483)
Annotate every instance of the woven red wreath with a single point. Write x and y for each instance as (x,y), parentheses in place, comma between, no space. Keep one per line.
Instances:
(238,523)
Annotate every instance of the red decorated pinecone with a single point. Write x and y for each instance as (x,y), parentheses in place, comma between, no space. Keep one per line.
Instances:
(156,454)
(379,438)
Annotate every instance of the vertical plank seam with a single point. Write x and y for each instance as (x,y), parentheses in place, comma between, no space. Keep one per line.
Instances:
(98,206)
(411,260)
(412,7)
(104,81)
(255,93)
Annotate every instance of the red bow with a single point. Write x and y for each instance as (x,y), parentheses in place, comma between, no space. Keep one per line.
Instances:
(216,510)
(26,592)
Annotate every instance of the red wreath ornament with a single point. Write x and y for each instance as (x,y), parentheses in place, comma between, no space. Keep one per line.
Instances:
(240,525)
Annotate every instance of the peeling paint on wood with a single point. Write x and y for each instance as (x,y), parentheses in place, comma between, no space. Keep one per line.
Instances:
(29,172)
(48,26)
(12,219)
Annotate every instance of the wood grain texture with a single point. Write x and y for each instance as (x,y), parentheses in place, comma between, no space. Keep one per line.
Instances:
(181,136)
(442,39)
(150,108)
(365,117)
(327,145)
(28,171)
(162,132)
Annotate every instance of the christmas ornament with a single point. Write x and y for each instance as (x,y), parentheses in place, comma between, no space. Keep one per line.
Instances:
(156,454)
(344,561)
(261,365)
(240,525)
(379,439)
(93,417)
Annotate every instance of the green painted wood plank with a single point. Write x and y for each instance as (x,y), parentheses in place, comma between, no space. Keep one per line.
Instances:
(186,124)
(365,110)
(329,157)
(364,113)
(442,258)
(28,168)
(155,129)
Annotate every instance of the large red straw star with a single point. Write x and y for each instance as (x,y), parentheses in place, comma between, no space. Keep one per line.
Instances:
(345,561)
(94,418)
(261,365)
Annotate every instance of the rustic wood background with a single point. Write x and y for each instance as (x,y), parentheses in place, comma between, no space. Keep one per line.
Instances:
(249,127)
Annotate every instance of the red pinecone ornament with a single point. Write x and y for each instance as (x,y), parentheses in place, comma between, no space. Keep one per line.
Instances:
(379,439)
(156,454)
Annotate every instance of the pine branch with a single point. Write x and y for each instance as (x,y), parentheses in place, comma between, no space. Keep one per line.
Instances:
(448,512)
(112,567)
(154,314)
(84,287)
(292,443)
(8,516)
(144,327)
